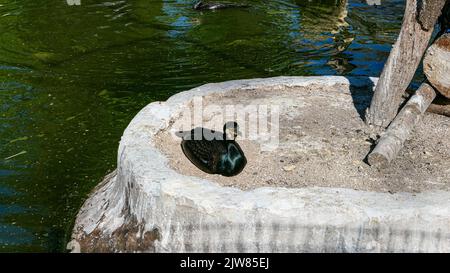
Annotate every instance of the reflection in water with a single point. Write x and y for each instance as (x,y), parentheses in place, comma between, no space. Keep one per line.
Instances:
(73,2)
(70,82)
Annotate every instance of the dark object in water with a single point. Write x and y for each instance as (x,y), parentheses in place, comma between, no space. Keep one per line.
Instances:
(200,5)
(214,152)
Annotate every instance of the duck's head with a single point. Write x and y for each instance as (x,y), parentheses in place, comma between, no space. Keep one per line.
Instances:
(231,130)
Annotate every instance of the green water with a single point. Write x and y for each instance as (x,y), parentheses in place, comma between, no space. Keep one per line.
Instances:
(72,77)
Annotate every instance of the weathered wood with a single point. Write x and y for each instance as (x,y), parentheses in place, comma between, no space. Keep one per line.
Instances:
(427,8)
(440,109)
(400,67)
(440,105)
(436,65)
(400,129)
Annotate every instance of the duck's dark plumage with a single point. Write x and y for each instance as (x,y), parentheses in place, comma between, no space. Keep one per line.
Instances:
(211,152)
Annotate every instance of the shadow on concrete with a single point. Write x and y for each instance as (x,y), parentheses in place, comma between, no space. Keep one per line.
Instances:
(361,89)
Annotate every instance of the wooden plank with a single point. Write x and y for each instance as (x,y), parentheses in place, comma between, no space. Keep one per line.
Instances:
(440,109)
(427,9)
(400,129)
(400,67)
(436,65)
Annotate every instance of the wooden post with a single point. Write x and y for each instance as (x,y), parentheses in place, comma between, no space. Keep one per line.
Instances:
(400,129)
(403,60)
(436,65)
(440,109)
(427,11)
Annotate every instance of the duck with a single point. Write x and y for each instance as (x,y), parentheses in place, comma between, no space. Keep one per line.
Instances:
(214,152)
(200,5)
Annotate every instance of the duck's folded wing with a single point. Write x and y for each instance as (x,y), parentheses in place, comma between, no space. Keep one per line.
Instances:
(204,154)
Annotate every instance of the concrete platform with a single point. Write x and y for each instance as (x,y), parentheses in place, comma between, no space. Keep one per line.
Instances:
(330,201)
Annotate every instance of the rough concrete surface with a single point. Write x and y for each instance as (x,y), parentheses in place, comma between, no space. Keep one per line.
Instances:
(155,203)
(324,142)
